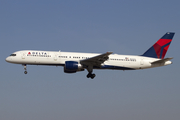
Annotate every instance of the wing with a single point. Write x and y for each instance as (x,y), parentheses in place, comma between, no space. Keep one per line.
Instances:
(97,60)
(161,61)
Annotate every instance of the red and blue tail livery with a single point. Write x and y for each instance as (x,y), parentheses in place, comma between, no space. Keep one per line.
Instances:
(159,49)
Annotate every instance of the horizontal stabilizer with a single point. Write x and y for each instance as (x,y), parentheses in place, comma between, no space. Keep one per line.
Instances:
(161,61)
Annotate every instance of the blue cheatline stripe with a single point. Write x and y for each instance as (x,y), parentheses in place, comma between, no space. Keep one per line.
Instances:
(114,67)
(163,48)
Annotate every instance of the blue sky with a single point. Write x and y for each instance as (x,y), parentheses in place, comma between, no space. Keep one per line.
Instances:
(124,27)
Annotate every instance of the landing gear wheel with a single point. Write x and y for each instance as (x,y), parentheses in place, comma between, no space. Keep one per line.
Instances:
(25,72)
(25,68)
(88,75)
(92,76)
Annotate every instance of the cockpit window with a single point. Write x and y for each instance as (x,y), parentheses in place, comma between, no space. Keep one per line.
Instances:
(13,55)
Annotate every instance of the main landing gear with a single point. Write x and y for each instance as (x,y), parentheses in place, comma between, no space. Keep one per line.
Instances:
(90,70)
(25,68)
(90,75)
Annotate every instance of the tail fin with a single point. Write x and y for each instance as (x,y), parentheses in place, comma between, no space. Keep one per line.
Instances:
(159,49)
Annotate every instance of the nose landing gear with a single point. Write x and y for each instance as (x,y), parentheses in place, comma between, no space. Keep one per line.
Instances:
(25,68)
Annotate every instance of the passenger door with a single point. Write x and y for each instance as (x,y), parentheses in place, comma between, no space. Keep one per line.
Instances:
(23,54)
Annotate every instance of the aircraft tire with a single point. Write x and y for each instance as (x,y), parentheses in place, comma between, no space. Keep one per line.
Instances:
(25,72)
(88,76)
(93,75)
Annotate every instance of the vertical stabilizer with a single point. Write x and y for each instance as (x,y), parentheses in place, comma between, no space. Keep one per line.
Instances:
(159,49)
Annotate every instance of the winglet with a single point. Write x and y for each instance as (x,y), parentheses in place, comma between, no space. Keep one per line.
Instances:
(108,53)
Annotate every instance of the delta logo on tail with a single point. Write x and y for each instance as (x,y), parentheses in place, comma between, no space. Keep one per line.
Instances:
(159,49)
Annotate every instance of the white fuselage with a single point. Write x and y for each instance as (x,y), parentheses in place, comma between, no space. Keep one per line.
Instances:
(74,62)
(115,61)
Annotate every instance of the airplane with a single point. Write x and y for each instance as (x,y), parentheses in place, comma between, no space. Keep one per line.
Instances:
(75,62)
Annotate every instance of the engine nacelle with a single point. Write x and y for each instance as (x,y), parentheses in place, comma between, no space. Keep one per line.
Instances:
(72,67)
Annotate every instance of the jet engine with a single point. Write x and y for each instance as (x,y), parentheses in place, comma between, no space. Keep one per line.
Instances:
(72,67)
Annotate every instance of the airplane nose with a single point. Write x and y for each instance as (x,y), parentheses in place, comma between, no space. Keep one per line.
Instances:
(8,59)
